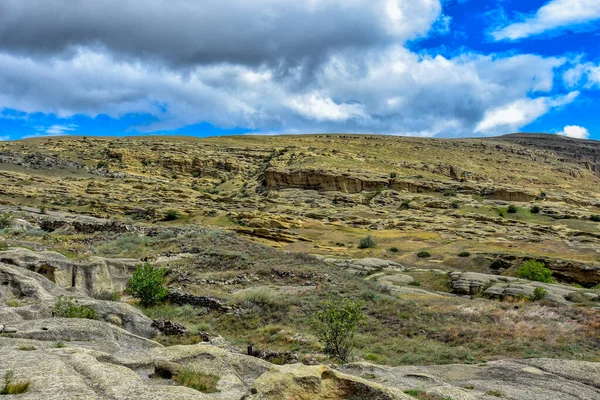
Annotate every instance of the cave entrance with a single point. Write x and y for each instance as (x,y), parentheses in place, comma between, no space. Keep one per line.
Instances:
(47,271)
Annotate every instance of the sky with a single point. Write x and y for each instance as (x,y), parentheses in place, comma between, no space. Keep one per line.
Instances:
(430,68)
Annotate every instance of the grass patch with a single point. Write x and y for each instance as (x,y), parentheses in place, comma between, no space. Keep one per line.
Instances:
(13,387)
(205,383)
(27,348)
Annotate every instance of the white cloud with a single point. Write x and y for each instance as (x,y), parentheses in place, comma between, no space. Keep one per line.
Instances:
(586,74)
(555,14)
(389,90)
(57,130)
(512,116)
(185,65)
(574,131)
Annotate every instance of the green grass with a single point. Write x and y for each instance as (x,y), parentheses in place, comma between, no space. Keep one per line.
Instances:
(205,383)
(13,387)
(27,348)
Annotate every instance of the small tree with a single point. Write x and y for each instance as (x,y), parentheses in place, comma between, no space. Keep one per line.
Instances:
(172,215)
(534,271)
(535,209)
(335,325)
(367,243)
(512,209)
(147,284)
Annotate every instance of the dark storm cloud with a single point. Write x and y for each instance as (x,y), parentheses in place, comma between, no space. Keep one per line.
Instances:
(184,32)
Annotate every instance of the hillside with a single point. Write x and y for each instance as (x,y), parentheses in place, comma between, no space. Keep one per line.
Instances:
(322,193)
(257,232)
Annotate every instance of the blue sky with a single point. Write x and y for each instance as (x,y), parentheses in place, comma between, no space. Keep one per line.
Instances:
(451,68)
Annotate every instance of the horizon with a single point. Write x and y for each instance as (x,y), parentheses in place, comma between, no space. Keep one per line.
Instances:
(425,68)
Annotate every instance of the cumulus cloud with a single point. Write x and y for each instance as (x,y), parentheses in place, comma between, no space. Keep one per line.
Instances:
(555,14)
(586,74)
(519,113)
(268,65)
(574,131)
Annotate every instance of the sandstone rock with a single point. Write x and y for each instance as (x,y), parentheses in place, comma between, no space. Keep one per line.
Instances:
(318,382)
(499,286)
(510,379)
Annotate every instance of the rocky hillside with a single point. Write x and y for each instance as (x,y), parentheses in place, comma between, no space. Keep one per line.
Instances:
(428,235)
(505,198)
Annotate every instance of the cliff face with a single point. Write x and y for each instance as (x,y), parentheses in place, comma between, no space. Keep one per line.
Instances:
(324,180)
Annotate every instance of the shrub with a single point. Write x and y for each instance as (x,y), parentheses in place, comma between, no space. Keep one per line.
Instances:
(107,295)
(205,383)
(147,285)
(12,387)
(27,348)
(393,175)
(69,308)
(171,215)
(534,271)
(512,209)
(595,218)
(450,193)
(464,254)
(367,243)
(335,325)
(538,294)
(405,205)
(3,246)
(394,249)
(60,345)
(535,209)
(423,254)
(455,204)
(102,165)
(6,220)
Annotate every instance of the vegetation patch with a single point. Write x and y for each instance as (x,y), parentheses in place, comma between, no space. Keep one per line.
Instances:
(147,285)
(66,307)
(424,254)
(13,387)
(336,324)
(534,271)
(367,243)
(205,383)
(538,294)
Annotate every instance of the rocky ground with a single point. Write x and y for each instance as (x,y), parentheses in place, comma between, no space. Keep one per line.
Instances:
(262,230)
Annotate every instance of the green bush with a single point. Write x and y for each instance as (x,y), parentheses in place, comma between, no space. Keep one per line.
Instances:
(455,204)
(6,220)
(69,308)
(335,325)
(367,243)
(535,209)
(595,218)
(3,246)
(538,294)
(534,271)
(405,205)
(512,209)
(423,254)
(12,387)
(394,249)
(464,254)
(450,193)
(171,215)
(147,285)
